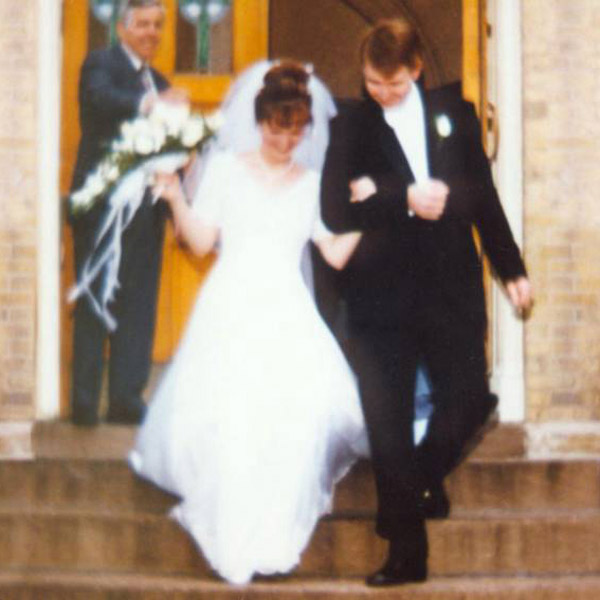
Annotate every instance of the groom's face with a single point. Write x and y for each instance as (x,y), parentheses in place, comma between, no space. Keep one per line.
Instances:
(389,90)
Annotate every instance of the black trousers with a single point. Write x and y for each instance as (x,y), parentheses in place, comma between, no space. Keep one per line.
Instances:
(134,309)
(385,360)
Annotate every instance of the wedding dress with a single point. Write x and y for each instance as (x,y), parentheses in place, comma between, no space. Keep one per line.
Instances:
(258,414)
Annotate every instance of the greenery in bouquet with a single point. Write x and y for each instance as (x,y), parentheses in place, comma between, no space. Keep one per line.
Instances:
(168,129)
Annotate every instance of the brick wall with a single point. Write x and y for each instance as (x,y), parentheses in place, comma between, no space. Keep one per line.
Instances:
(18,73)
(561,42)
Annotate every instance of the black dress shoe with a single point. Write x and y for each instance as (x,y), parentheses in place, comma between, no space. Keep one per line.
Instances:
(407,558)
(435,502)
(407,571)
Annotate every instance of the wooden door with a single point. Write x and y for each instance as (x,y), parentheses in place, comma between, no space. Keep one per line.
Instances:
(474,82)
(474,64)
(241,39)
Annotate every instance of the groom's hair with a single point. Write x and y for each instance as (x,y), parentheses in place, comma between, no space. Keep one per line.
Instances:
(284,98)
(391,44)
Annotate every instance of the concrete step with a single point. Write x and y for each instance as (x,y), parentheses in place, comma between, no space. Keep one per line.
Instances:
(490,544)
(515,484)
(63,440)
(67,586)
(104,485)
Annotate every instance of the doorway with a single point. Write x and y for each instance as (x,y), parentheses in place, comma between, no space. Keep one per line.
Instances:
(253,43)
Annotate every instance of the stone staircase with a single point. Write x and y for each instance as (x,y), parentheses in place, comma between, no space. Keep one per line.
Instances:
(76,524)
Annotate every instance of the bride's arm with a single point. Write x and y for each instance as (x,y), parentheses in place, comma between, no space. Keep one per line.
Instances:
(200,237)
(337,249)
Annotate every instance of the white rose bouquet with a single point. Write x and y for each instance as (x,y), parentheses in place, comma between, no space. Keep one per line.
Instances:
(169,129)
(161,142)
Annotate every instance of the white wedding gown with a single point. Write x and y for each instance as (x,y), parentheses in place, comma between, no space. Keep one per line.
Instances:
(258,415)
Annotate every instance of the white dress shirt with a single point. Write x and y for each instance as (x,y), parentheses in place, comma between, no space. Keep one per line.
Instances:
(407,119)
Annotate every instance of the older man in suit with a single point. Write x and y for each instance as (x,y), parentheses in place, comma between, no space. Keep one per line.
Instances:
(118,84)
(407,168)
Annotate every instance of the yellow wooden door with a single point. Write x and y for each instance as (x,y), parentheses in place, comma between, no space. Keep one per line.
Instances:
(475,36)
(182,274)
(474,68)
(247,41)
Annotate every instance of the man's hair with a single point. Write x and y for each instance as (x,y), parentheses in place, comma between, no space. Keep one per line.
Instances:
(391,44)
(127,6)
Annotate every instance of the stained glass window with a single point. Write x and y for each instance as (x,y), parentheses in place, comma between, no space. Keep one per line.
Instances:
(204,37)
(102,23)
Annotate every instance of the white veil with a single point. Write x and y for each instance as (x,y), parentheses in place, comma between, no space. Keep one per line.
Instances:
(240,133)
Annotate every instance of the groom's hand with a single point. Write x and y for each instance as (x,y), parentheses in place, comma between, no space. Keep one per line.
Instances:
(520,294)
(361,189)
(428,199)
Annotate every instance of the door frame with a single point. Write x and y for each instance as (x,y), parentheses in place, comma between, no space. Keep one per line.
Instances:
(48,334)
(508,351)
(505,77)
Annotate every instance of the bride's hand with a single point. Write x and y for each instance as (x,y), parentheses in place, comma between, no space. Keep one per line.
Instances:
(361,189)
(168,187)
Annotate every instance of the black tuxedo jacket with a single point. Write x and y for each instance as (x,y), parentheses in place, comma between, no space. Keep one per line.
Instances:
(110,91)
(403,260)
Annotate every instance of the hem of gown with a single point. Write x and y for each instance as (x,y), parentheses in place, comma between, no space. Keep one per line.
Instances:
(178,514)
(325,506)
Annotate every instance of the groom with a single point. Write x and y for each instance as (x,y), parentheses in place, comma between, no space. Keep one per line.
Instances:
(117,84)
(407,168)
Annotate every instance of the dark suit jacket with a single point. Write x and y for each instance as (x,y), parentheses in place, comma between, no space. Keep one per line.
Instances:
(110,91)
(403,260)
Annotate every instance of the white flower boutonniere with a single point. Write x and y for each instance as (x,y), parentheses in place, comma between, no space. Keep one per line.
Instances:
(443,124)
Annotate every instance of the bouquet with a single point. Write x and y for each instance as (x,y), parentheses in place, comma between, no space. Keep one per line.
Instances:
(161,142)
(170,129)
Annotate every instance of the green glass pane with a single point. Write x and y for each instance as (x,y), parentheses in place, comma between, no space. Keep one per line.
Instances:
(102,23)
(204,36)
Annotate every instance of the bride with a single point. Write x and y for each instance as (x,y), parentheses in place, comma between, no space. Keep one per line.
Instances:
(258,415)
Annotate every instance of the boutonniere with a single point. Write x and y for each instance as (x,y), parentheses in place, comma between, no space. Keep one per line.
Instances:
(443,125)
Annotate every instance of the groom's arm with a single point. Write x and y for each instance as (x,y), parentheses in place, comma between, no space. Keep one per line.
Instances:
(388,203)
(473,195)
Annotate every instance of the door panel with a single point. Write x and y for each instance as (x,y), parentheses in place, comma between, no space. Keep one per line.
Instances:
(182,274)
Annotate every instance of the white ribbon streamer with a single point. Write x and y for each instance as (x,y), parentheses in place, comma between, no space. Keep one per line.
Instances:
(123,204)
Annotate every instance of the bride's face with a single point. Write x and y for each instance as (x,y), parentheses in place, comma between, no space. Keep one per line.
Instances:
(278,143)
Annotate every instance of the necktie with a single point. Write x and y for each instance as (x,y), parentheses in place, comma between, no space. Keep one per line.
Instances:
(147,80)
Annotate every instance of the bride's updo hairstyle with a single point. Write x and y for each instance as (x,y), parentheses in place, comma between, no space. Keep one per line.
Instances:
(284,99)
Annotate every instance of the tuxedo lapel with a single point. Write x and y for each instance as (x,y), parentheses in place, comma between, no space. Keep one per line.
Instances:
(131,77)
(391,147)
(440,152)
(431,138)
